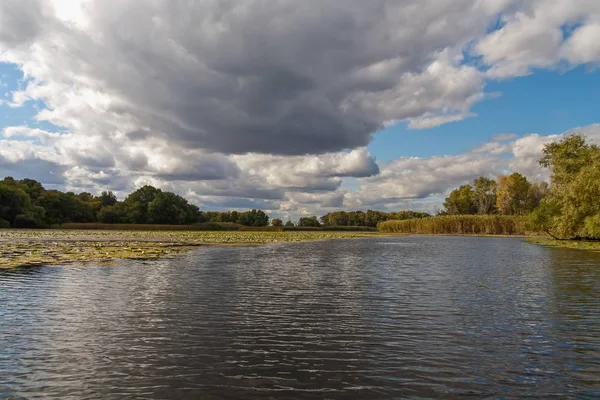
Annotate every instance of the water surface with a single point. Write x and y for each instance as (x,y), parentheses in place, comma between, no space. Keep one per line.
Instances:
(410,317)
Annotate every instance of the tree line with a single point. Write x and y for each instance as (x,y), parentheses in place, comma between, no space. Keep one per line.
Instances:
(27,204)
(508,195)
(370,218)
(568,208)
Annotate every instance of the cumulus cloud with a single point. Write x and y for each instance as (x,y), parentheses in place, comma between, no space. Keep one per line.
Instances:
(278,77)
(542,34)
(273,103)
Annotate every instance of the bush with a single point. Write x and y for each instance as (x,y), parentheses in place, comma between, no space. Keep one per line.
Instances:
(4,223)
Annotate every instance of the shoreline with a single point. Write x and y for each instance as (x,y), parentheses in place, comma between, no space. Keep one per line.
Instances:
(566,244)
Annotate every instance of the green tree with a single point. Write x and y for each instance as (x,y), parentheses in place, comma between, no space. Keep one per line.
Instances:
(114,214)
(484,195)
(13,201)
(289,224)
(309,222)
(461,201)
(277,222)
(136,204)
(170,208)
(254,218)
(571,209)
(338,218)
(64,207)
(108,198)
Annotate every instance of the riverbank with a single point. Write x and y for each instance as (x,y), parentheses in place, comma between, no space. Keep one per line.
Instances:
(57,246)
(567,244)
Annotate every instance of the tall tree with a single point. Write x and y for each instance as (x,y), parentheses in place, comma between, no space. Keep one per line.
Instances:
(461,201)
(484,195)
(512,194)
(277,222)
(572,209)
(136,204)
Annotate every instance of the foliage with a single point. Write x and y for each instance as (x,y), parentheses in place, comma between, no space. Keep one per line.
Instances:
(309,221)
(289,224)
(512,197)
(509,195)
(369,219)
(461,201)
(108,198)
(571,210)
(457,224)
(484,195)
(59,246)
(169,208)
(277,222)
(114,214)
(27,204)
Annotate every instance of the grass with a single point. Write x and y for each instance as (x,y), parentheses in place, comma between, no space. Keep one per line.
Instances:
(567,244)
(59,246)
(456,225)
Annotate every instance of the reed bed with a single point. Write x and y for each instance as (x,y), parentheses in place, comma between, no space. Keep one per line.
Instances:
(457,225)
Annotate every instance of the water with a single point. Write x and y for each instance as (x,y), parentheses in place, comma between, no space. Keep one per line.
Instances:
(415,317)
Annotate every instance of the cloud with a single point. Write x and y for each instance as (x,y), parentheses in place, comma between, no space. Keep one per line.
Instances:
(542,34)
(273,103)
(279,78)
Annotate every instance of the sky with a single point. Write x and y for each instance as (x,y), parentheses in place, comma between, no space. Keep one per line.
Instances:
(297,108)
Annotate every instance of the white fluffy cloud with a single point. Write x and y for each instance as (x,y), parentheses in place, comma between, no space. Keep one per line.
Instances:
(272,104)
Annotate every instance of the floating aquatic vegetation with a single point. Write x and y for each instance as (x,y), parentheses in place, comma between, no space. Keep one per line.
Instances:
(36,247)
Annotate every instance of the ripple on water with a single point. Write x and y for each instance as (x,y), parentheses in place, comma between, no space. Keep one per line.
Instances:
(366,318)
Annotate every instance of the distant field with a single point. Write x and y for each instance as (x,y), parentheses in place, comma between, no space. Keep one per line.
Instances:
(58,246)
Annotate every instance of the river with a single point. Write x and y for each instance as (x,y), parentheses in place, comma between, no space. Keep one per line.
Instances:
(403,317)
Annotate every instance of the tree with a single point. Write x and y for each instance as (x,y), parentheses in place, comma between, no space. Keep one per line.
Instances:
(136,204)
(277,222)
(114,214)
(309,222)
(484,195)
(512,194)
(401,215)
(461,201)
(289,224)
(64,207)
(13,201)
(108,198)
(571,209)
(254,218)
(338,218)
(169,208)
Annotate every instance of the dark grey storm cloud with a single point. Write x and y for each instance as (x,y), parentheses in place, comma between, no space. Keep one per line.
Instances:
(279,77)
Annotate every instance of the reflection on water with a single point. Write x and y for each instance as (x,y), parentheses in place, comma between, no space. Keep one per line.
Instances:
(372,318)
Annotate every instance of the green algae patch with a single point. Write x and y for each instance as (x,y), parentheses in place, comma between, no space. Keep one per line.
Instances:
(40,247)
(567,244)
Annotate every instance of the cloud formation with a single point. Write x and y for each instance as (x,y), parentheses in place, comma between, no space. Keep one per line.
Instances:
(273,102)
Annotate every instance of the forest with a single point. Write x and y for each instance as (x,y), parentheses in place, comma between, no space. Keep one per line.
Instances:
(27,204)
